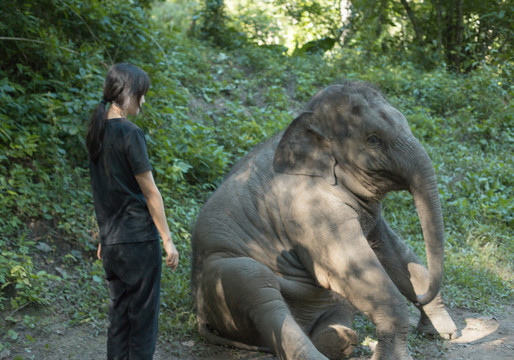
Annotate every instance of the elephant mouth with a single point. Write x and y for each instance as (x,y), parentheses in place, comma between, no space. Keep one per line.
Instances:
(369,185)
(382,181)
(391,181)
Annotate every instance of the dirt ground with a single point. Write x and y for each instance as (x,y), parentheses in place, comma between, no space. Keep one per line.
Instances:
(482,338)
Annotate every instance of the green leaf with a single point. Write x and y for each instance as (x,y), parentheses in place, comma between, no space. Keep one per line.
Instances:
(12,334)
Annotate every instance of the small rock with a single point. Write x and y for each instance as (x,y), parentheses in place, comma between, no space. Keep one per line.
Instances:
(4,355)
(189,343)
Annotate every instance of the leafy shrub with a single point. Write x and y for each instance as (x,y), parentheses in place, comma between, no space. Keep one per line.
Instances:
(20,279)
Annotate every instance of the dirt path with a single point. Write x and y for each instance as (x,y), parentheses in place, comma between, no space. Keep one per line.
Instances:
(482,338)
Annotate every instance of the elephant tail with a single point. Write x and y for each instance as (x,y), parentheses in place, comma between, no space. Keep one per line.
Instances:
(213,338)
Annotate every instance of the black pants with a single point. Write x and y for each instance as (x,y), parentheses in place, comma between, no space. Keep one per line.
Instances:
(133,273)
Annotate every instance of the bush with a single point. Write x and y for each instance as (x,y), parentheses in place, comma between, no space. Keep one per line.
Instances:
(19,279)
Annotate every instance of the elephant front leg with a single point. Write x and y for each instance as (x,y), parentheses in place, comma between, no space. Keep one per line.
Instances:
(362,280)
(435,320)
(243,302)
(411,278)
(375,295)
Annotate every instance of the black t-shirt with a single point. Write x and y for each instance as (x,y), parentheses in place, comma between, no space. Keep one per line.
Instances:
(120,206)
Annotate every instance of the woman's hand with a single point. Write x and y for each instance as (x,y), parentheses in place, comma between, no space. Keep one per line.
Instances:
(99,252)
(171,254)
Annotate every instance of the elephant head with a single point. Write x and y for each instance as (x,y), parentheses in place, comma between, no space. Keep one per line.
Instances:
(352,137)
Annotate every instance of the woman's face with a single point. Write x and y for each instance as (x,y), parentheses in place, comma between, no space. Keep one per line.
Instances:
(134,110)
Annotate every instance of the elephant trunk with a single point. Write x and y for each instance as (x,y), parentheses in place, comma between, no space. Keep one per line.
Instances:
(423,187)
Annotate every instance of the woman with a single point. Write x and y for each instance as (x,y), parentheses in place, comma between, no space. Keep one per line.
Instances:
(130,214)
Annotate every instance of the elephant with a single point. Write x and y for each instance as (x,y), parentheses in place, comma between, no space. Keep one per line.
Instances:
(293,243)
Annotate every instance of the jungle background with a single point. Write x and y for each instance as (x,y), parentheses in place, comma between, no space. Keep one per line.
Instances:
(225,76)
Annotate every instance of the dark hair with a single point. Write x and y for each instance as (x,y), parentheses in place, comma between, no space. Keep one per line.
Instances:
(124,85)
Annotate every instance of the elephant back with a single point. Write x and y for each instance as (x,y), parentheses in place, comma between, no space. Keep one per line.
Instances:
(235,209)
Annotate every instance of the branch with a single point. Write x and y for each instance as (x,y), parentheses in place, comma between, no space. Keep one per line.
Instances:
(95,38)
(36,41)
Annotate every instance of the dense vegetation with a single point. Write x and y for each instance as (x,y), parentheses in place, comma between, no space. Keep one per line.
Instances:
(220,86)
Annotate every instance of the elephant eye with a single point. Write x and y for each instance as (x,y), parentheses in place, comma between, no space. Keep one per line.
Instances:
(373,140)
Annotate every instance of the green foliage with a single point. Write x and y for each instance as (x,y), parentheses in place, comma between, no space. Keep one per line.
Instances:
(462,34)
(286,24)
(46,99)
(215,25)
(19,279)
(213,20)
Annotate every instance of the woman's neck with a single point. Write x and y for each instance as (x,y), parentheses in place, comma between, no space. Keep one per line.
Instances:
(115,112)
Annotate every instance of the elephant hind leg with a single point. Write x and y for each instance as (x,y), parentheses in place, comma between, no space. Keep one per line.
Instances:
(242,301)
(332,334)
(213,338)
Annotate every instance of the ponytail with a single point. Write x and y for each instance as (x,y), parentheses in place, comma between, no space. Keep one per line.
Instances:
(95,131)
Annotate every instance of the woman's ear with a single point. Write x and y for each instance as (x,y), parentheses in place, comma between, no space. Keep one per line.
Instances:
(304,150)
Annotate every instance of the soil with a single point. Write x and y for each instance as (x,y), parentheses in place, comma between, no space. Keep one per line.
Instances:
(482,338)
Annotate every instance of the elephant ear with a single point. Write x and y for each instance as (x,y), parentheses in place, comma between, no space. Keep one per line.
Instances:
(304,150)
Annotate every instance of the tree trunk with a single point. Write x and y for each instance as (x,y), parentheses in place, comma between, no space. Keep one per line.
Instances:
(214,21)
(414,21)
(380,18)
(454,30)
(459,33)
(439,19)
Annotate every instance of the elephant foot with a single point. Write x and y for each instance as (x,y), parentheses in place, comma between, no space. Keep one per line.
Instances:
(392,345)
(335,341)
(437,324)
(403,356)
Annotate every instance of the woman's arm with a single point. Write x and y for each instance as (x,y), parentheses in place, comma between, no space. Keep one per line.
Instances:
(156,206)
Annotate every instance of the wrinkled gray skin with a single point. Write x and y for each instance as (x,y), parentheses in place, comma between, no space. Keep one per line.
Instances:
(293,241)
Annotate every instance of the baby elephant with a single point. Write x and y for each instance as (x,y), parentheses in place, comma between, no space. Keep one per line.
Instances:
(293,242)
